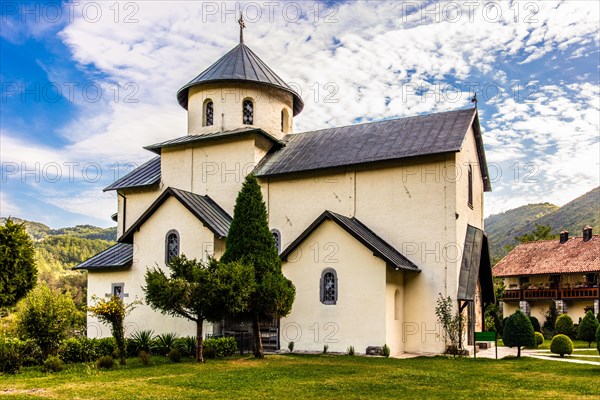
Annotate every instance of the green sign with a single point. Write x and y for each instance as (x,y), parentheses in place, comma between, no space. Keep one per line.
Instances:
(485,336)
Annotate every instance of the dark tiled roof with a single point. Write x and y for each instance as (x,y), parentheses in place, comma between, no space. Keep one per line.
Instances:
(359,231)
(376,141)
(115,257)
(475,266)
(551,257)
(188,139)
(202,207)
(239,64)
(147,174)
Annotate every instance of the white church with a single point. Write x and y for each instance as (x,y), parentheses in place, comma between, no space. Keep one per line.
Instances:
(372,220)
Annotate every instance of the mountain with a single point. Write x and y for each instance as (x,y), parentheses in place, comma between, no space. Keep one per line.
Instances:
(504,227)
(39,231)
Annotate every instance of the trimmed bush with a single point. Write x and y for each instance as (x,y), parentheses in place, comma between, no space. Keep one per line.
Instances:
(518,332)
(587,328)
(385,351)
(536,324)
(325,348)
(10,356)
(105,362)
(131,348)
(291,347)
(144,357)
(105,346)
(564,325)
(174,355)
(76,350)
(561,344)
(539,339)
(350,350)
(221,347)
(52,364)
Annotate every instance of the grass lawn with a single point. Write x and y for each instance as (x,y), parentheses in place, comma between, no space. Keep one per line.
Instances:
(313,377)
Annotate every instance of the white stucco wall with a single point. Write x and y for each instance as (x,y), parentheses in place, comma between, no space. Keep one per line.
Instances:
(196,241)
(227,100)
(359,318)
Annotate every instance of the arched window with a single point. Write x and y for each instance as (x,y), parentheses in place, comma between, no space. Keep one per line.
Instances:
(209,113)
(285,121)
(171,245)
(470,177)
(397,305)
(329,287)
(277,237)
(248,112)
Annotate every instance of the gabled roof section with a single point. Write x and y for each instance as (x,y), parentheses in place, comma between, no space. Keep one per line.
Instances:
(393,139)
(147,174)
(240,64)
(475,266)
(119,256)
(360,232)
(551,257)
(202,207)
(191,139)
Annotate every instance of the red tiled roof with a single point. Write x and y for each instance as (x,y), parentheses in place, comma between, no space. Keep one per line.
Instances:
(551,257)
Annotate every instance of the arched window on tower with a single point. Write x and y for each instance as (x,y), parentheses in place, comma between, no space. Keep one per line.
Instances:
(285,121)
(329,287)
(171,245)
(209,113)
(248,112)
(470,178)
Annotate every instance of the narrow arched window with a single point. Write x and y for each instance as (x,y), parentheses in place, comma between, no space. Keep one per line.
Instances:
(277,238)
(209,113)
(285,121)
(397,305)
(470,177)
(282,125)
(248,112)
(171,246)
(329,287)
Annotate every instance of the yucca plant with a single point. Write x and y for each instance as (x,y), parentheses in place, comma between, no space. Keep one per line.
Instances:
(186,345)
(164,343)
(144,340)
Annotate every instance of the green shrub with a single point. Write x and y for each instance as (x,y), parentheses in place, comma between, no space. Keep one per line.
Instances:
(221,347)
(10,356)
(291,346)
(105,346)
(350,350)
(144,357)
(131,348)
(174,355)
(325,348)
(561,344)
(536,324)
(385,351)
(587,328)
(186,346)
(539,339)
(144,340)
(52,364)
(164,343)
(31,354)
(76,350)
(598,339)
(564,325)
(105,362)
(518,332)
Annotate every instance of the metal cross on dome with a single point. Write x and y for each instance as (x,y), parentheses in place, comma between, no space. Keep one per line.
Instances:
(242,26)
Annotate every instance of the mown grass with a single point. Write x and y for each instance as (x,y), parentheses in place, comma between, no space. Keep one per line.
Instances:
(312,377)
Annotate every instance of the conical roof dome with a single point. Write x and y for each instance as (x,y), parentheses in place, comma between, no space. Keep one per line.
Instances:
(239,64)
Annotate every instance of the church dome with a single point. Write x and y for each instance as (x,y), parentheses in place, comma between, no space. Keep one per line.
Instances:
(240,64)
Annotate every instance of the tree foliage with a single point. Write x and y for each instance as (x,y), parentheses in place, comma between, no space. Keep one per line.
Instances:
(564,325)
(588,327)
(519,332)
(200,291)
(46,317)
(541,232)
(598,339)
(250,242)
(113,312)
(452,322)
(561,344)
(17,263)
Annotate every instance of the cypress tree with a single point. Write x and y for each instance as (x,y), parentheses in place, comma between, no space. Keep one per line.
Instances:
(18,272)
(518,332)
(587,328)
(250,242)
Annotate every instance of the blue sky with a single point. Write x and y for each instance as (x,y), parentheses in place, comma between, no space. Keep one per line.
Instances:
(85,85)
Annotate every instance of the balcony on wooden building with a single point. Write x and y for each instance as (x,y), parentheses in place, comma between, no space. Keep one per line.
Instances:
(552,287)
